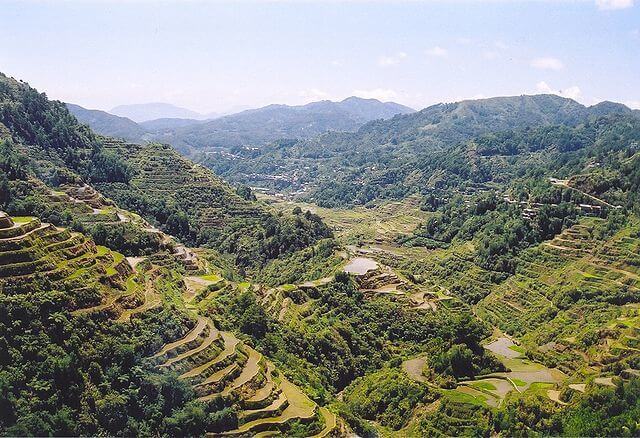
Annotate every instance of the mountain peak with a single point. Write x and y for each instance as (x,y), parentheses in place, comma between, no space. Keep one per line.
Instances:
(143,112)
(359,99)
(606,107)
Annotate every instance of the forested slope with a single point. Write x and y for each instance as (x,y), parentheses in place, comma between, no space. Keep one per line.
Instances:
(103,342)
(42,140)
(140,294)
(250,128)
(389,159)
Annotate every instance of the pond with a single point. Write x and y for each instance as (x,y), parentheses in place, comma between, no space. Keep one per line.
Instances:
(360,266)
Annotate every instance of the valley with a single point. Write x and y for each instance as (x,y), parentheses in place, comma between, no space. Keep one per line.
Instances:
(486,284)
(371,246)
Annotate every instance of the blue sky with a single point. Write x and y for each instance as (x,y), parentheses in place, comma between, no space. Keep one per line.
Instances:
(218,56)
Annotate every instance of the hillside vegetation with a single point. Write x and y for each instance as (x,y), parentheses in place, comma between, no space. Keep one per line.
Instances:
(488,285)
(532,231)
(41,140)
(250,128)
(199,208)
(96,346)
(393,158)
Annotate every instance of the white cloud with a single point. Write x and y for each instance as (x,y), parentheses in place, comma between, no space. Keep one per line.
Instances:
(336,63)
(634,104)
(383,94)
(609,5)
(313,94)
(543,87)
(437,51)
(573,92)
(635,33)
(547,63)
(386,61)
(464,40)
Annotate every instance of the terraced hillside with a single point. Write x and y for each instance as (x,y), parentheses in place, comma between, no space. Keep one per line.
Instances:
(372,278)
(496,297)
(42,141)
(569,314)
(86,210)
(571,291)
(190,202)
(132,300)
(324,332)
(96,278)
(33,251)
(222,370)
(569,308)
(162,172)
(522,376)
(563,334)
(376,279)
(71,311)
(225,371)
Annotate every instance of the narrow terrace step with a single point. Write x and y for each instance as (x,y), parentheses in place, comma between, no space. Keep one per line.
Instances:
(213,335)
(221,376)
(300,408)
(329,423)
(191,336)
(262,394)
(249,371)
(275,408)
(230,344)
(217,377)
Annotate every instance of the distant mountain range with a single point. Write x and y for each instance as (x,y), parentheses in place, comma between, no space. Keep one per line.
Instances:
(107,124)
(263,125)
(387,158)
(143,112)
(255,127)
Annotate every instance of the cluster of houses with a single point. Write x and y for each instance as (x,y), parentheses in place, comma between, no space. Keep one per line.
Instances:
(530,209)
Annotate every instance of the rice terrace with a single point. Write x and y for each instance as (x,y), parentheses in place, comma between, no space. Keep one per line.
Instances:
(320,218)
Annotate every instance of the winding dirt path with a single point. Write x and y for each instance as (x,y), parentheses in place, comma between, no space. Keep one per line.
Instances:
(565,183)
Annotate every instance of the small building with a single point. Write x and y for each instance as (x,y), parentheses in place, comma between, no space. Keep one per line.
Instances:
(591,210)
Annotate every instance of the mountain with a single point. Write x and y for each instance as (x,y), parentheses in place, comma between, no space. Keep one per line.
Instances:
(357,167)
(606,107)
(111,125)
(191,132)
(141,294)
(372,109)
(447,123)
(258,126)
(143,112)
(159,126)
(108,124)
(186,200)
(102,312)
